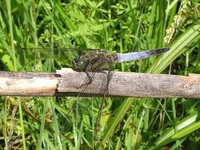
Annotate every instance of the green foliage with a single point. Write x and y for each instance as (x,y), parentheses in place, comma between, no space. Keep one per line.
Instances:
(54,27)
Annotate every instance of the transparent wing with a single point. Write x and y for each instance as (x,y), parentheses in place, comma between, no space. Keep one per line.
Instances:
(45,58)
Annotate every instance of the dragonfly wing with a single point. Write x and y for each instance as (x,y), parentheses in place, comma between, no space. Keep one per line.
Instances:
(57,56)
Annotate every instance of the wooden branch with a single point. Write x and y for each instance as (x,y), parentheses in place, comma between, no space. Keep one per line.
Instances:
(67,82)
(28,84)
(125,84)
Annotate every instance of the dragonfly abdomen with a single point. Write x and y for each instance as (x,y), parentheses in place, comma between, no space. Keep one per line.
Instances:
(139,55)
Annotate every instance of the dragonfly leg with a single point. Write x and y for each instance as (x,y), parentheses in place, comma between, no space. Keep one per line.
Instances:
(89,77)
(89,81)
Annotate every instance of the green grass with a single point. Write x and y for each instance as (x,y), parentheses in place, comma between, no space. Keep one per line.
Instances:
(125,26)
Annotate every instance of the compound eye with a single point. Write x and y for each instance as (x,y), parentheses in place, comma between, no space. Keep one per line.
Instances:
(81,65)
(78,64)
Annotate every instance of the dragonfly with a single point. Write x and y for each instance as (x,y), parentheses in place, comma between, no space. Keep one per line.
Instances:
(98,60)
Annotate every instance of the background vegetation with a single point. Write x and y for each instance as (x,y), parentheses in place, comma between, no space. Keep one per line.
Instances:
(53,27)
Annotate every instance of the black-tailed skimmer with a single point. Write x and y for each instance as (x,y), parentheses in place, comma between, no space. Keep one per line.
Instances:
(97,60)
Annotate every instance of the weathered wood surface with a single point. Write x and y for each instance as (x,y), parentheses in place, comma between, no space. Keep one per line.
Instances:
(125,84)
(28,84)
(67,82)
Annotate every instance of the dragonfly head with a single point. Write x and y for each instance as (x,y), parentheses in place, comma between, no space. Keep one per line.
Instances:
(78,64)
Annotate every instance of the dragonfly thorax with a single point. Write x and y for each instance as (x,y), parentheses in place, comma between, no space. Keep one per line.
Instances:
(95,60)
